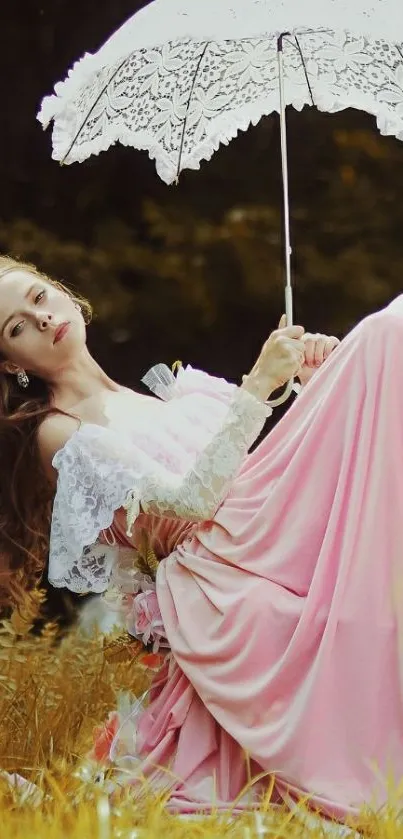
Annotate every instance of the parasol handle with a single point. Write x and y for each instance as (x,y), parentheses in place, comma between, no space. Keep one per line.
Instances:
(274,403)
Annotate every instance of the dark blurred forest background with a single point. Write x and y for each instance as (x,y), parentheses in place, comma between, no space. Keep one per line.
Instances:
(192,272)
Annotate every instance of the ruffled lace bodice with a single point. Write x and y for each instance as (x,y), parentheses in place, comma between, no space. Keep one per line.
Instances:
(170,460)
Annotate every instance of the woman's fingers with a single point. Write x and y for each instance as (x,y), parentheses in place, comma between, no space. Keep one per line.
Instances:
(309,349)
(319,352)
(318,347)
(325,345)
(288,332)
(331,343)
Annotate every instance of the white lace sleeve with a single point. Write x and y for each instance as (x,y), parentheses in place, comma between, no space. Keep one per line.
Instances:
(100,472)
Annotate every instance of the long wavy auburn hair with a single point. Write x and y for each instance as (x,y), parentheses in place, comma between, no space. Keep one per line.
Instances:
(25,492)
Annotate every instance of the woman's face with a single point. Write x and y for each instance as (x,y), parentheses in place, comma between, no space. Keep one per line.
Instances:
(41,330)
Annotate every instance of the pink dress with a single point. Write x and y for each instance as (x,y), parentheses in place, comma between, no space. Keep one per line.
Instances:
(281,594)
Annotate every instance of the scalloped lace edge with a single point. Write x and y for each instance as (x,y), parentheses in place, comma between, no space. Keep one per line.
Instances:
(227,126)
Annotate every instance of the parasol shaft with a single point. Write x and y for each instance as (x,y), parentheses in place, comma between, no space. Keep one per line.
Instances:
(286,192)
(286,203)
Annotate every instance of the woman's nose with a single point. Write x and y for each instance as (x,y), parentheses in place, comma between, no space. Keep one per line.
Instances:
(44,319)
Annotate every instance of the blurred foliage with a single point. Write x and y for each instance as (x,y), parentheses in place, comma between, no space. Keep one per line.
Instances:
(196,267)
(193,271)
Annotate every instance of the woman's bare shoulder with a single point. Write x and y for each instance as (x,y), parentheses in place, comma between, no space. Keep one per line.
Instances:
(53,434)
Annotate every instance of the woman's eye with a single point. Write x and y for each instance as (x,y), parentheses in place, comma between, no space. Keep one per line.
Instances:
(39,296)
(17,329)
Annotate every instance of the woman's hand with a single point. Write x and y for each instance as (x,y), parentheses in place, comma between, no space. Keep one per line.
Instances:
(281,359)
(317,349)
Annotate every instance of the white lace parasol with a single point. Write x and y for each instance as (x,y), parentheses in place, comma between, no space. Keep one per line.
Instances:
(182,76)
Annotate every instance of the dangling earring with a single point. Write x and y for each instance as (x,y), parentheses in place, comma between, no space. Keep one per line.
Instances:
(22,379)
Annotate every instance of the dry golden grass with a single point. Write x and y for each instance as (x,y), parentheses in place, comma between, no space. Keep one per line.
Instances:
(52,695)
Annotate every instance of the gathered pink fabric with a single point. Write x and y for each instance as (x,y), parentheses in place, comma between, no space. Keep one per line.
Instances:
(285,614)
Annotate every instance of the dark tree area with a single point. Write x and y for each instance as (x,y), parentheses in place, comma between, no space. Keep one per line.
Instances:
(192,272)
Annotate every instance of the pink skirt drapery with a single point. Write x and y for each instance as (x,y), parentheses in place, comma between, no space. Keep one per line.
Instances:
(284,614)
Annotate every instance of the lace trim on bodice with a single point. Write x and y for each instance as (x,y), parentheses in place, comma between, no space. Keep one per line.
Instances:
(99,471)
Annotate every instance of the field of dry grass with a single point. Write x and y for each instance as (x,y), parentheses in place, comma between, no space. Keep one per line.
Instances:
(52,696)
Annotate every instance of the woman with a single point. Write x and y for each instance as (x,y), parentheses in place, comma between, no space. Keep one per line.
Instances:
(278,570)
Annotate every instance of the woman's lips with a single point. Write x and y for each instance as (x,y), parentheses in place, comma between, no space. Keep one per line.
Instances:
(61,331)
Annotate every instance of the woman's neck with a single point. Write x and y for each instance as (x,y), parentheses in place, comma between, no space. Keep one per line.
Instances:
(83,379)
